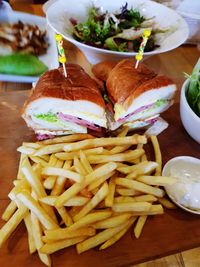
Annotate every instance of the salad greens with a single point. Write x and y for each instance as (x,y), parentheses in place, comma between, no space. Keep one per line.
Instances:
(49,117)
(114,31)
(193,92)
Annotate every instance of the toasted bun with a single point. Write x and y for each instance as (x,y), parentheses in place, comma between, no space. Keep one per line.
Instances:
(103,69)
(77,86)
(124,79)
(156,83)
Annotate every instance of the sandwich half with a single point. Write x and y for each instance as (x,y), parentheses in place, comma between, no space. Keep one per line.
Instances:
(60,105)
(138,95)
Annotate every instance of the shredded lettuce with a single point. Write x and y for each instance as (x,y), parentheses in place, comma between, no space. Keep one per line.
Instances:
(160,102)
(49,117)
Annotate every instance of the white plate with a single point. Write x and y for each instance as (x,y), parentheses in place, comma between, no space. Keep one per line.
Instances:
(59,12)
(50,58)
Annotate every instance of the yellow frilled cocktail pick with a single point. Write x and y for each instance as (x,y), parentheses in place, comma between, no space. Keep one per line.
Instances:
(139,56)
(61,53)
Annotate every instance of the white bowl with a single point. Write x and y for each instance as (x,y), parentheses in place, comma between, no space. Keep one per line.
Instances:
(186,169)
(190,120)
(59,12)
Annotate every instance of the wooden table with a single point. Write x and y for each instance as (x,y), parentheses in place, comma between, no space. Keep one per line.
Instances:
(163,235)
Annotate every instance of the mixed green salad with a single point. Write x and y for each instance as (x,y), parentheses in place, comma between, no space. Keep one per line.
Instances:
(115,31)
(193,92)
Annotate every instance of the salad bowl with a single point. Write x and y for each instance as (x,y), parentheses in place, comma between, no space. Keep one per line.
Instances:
(172,30)
(190,104)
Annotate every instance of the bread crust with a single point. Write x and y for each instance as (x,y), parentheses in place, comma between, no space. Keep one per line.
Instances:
(102,70)
(124,79)
(155,83)
(77,86)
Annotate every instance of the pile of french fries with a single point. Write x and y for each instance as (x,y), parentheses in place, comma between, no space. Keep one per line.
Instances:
(84,191)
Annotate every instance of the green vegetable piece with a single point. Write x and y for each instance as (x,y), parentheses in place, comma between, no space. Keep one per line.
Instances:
(110,43)
(50,117)
(193,92)
(160,102)
(22,64)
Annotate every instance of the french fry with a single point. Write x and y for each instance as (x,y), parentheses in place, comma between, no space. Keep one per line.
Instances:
(38,160)
(74,201)
(131,206)
(100,195)
(9,227)
(102,142)
(118,149)
(124,132)
(111,192)
(65,216)
(166,203)
(157,180)
(155,209)
(60,181)
(29,227)
(140,168)
(97,239)
(50,248)
(49,182)
(84,231)
(93,159)
(9,211)
(71,155)
(113,221)
(121,233)
(127,192)
(45,157)
(139,225)
(65,139)
(61,172)
(33,205)
(98,182)
(132,175)
(44,257)
(33,179)
(100,171)
(55,146)
(52,160)
(158,156)
(69,193)
(79,167)
(74,210)
(85,162)
(157,192)
(26,150)
(22,185)
(31,144)
(144,157)
(87,220)
(146,198)
(19,173)
(35,182)
(49,149)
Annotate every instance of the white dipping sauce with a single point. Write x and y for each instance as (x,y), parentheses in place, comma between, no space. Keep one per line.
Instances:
(186,191)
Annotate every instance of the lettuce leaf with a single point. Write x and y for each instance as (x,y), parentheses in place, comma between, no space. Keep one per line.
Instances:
(193,92)
(49,117)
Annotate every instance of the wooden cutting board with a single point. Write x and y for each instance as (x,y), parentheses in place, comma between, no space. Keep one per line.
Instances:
(165,234)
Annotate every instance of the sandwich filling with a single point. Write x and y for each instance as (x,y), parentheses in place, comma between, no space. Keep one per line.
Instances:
(61,119)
